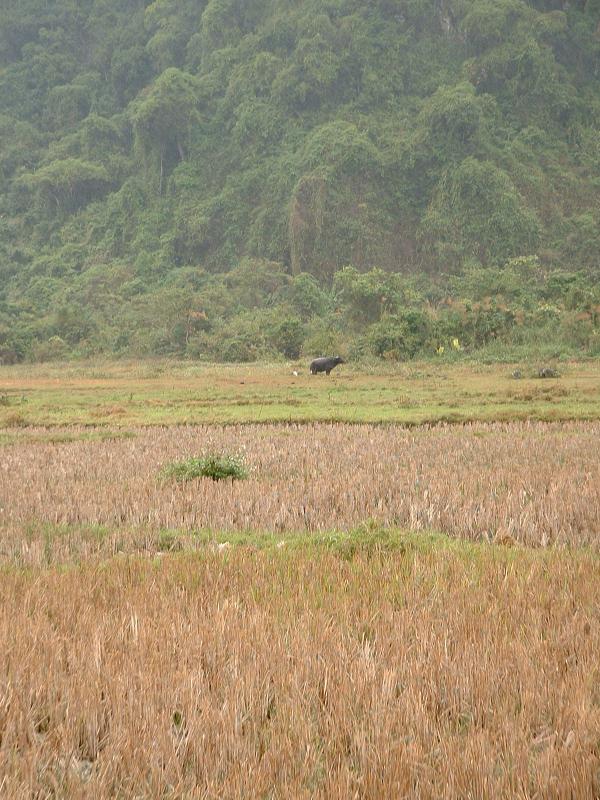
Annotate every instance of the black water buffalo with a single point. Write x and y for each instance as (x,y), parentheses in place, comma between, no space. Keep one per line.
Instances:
(325,364)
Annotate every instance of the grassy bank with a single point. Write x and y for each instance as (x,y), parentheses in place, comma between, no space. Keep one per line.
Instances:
(165,393)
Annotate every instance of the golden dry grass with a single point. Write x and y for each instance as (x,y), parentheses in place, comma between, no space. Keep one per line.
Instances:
(385,666)
(534,483)
(281,675)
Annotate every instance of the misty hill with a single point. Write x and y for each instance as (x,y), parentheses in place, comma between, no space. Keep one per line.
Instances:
(234,178)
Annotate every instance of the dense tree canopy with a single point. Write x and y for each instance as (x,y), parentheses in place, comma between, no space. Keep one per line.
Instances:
(234,178)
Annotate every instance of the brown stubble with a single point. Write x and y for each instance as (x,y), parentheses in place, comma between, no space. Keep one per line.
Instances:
(247,674)
(533,483)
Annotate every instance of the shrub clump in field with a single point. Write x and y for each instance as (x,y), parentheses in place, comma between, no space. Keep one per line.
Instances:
(214,466)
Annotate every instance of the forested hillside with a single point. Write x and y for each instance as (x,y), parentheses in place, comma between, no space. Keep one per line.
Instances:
(234,179)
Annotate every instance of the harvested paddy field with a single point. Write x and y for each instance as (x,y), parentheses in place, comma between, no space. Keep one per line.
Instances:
(301,633)
(421,672)
(532,483)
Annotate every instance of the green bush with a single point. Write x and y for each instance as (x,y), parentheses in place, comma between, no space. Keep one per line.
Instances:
(396,337)
(236,351)
(214,466)
(54,349)
(322,338)
(287,337)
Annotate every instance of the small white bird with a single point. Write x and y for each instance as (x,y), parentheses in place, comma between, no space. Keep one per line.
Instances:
(295,374)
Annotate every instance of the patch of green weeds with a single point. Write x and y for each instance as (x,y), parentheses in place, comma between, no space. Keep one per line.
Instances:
(168,542)
(214,466)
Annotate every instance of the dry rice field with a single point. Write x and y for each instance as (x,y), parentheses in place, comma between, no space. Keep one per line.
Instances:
(409,667)
(280,675)
(534,483)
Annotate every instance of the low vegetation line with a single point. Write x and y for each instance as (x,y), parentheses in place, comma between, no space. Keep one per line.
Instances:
(58,433)
(42,546)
